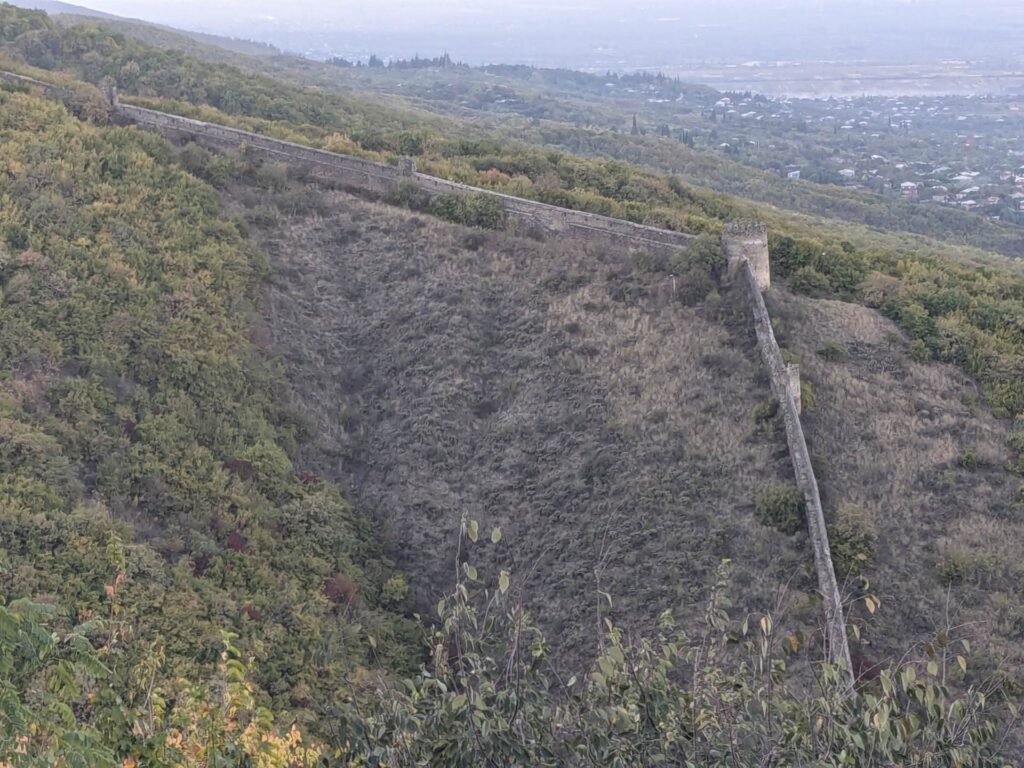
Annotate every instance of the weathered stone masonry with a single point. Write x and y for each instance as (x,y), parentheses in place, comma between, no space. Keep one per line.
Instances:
(747,242)
(383,178)
(786,388)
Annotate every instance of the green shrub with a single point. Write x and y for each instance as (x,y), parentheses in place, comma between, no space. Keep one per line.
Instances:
(968,460)
(833,351)
(763,415)
(965,567)
(695,269)
(781,506)
(852,539)
(473,210)
(644,261)
(394,591)
(807,400)
(271,467)
(272,176)
(809,281)
(694,286)
(16,237)
(410,143)
(919,352)
(765,411)
(408,194)
(704,254)
(1016,440)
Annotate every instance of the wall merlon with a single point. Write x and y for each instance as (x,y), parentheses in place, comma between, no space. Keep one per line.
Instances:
(746,229)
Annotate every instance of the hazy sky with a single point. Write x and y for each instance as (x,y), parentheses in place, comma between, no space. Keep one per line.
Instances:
(616,33)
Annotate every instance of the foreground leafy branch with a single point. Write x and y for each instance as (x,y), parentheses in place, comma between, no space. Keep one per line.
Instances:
(725,697)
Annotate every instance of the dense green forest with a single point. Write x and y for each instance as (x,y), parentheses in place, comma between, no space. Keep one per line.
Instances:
(173,593)
(146,479)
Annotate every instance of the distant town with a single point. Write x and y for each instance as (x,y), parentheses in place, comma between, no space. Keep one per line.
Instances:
(961,152)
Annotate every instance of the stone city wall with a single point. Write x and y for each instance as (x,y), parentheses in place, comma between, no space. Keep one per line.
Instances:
(785,387)
(380,177)
(745,245)
(48,89)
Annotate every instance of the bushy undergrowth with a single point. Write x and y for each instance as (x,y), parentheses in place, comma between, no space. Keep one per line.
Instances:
(781,506)
(135,407)
(721,695)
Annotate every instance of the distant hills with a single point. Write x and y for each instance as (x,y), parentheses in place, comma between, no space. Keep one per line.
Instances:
(661,34)
(54,7)
(148,32)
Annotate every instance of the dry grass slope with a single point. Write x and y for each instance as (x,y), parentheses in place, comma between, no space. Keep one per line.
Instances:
(552,391)
(908,445)
(569,397)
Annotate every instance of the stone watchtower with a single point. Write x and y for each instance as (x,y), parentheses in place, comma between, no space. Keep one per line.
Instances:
(407,166)
(748,241)
(108,86)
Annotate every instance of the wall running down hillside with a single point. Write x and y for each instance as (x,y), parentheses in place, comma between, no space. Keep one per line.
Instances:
(786,389)
(748,243)
(382,178)
(745,244)
(48,89)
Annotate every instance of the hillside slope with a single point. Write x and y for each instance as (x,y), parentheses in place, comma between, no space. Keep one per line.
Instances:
(610,427)
(906,452)
(553,392)
(146,489)
(611,418)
